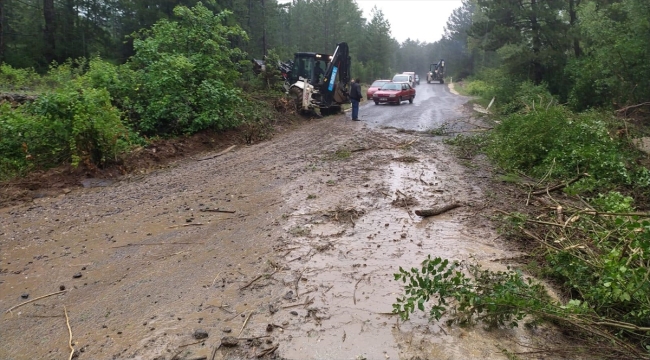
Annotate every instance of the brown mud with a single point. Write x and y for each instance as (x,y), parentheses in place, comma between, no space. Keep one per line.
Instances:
(300,266)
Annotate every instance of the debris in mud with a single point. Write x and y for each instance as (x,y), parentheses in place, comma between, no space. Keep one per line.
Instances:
(229,341)
(200,334)
(77,275)
(437,211)
(323,246)
(24,296)
(404,201)
(406,159)
(267,351)
(341,214)
(287,296)
(217,154)
(218,210)
(273,309)
(227,330)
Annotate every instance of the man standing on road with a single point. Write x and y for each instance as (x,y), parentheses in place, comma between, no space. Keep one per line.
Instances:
(355,97)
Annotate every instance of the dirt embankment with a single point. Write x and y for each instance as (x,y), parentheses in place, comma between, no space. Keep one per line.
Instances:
(296,263)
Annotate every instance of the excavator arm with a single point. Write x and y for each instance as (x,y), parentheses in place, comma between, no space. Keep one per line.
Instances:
(330,89)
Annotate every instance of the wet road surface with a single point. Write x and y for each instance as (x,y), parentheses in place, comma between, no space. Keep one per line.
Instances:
(323,217)
(434,105)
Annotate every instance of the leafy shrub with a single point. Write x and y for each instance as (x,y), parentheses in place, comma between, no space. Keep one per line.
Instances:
(21,135)
(613,202)
(18,79)
(478,88)
(497,298)
(561,143)
(186,72)
(467,146)
(608,269)
(74,124)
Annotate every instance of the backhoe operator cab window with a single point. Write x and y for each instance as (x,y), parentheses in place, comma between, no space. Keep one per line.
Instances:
(306,67)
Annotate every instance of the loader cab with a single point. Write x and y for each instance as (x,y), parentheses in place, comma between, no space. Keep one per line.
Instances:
(307,65)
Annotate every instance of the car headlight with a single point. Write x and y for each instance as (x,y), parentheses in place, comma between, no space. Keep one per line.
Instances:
(391,95)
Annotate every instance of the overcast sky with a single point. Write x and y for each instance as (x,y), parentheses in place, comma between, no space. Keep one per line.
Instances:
(422,20)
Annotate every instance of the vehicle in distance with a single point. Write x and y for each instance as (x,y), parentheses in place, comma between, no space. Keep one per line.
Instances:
(413,77)
(417,79)
(394,93)
(376,85)
(404,78)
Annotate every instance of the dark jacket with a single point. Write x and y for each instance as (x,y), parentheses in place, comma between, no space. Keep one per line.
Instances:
(355,91)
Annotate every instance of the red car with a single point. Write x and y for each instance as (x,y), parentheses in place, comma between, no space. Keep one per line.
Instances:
(394,93)
(376,85)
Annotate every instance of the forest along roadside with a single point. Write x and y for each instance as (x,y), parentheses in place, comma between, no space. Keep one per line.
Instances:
(285,248)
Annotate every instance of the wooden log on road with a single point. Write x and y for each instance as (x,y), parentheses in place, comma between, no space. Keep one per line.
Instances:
(437,211)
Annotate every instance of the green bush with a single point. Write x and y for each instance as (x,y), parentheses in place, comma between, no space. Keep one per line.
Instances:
(74,124)
(479,88)
(562,144)
(18,79)
(87,127)
(185,73)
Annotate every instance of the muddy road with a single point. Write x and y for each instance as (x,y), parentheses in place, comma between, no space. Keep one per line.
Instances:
(434,105)
(297,262)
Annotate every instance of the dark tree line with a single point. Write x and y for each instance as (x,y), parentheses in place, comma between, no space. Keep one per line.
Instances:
(588,52)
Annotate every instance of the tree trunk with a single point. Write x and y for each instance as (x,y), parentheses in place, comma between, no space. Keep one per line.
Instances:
(573,20)
(49,31)
(2,32)
(264,28)
(537,43)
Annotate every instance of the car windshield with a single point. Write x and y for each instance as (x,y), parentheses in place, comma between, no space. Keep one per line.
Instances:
(378,83)
(391,86)
(404,78)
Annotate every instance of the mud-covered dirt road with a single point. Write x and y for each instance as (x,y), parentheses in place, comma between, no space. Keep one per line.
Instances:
(434,105)
(299,266)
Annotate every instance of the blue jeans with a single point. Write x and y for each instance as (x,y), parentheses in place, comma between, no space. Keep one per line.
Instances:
(355,109)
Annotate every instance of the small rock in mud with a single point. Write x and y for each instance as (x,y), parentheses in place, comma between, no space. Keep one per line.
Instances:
(295,313)
(288,295)
(61,287)
(269,328)
(200,334)
(272,309)
(77,275)
(24,296)
(226,330)
(229,341)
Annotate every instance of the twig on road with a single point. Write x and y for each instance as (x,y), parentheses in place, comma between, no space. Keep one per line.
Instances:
(34,299)
(217,154)
(67,321)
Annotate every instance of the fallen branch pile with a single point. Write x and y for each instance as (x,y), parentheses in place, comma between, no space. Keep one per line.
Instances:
(602,258)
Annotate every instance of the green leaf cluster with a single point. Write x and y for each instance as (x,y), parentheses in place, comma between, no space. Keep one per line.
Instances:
(560,143)
(74,124)
(12,79)
(185,73)
(502,298)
